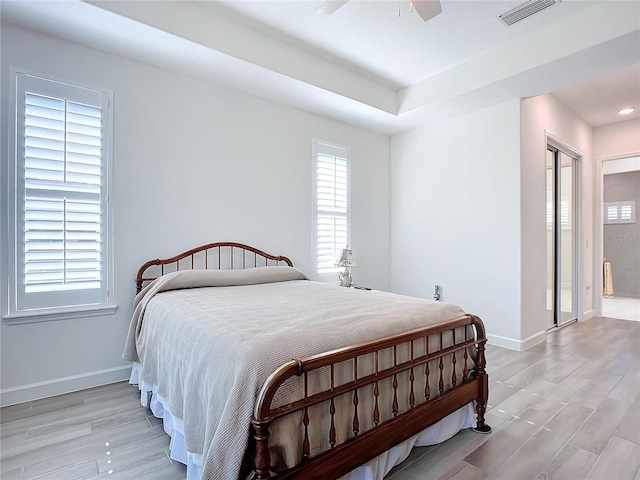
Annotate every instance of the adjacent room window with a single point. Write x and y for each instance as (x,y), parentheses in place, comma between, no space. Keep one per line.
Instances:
(59,219)
(332,204)
(620,212)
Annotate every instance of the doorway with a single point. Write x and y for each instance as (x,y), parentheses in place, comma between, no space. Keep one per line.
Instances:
(621,238)
(562,194)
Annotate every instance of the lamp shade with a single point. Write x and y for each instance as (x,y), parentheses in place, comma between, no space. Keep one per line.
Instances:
(346,258)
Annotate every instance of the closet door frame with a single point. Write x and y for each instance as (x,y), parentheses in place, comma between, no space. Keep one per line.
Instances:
(557,146)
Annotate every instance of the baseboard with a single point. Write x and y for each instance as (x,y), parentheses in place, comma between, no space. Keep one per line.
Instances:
(58,386)
(514,344)
(588,314)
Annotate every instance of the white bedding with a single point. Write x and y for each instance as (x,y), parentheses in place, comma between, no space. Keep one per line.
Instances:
(207,351)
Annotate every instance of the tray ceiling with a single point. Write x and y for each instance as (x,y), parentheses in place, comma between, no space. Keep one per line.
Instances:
(364,64)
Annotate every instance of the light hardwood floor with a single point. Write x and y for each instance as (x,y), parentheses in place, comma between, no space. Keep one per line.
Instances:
(566,409)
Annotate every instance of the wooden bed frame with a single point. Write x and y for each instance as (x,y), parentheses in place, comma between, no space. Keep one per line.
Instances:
(468,382)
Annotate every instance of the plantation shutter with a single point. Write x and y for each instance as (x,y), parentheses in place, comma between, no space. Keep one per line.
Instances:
(62,194)
(332,205)
(620,212)
(61,209)
(628,212)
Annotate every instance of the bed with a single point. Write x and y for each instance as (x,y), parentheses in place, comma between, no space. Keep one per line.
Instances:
(259,372)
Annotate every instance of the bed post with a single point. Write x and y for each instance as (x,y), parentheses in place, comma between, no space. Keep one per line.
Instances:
(262,459)
(483,377)
(263,417)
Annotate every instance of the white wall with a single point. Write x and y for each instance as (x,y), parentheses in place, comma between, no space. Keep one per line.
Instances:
(617,140)
(455,189)
(193,163)
(538,115)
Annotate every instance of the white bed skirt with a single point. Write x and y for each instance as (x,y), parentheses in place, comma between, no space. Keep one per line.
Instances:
(376,469)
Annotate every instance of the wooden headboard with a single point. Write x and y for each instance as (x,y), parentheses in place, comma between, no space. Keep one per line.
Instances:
(219,255)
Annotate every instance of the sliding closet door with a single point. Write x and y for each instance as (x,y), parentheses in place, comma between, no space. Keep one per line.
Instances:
(567,238)
(561,238)
(551,240)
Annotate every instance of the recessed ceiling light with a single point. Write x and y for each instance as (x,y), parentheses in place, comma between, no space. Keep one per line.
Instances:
(626,110)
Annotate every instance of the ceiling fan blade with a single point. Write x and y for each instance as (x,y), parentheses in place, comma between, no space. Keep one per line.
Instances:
(330,6)
(427,9)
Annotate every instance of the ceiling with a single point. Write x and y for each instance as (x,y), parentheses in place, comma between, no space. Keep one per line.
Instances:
(373,64)
(598,101)
(396,50)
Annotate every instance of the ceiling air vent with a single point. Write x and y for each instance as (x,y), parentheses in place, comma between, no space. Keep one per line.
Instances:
(525,10)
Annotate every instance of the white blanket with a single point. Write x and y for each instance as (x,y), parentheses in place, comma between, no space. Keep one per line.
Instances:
(209,350)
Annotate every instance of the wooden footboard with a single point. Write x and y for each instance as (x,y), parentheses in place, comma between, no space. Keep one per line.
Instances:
(446,361)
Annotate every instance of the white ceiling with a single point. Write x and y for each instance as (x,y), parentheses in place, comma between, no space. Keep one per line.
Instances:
(365,65)
(398,51)
(598,101)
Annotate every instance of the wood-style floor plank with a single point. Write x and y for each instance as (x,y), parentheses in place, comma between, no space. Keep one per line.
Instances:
(619,461)
(628,428)
(594,435)
(567,409)
(492,454)
(545,444)
(571,463)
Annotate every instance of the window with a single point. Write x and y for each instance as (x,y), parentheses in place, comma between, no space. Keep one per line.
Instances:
(620,212)
(332,205)
(59,219)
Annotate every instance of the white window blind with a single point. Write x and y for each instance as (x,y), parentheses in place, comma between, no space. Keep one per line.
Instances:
(332,202)
(62,242)
(620,212)
(628,212)
(61,223)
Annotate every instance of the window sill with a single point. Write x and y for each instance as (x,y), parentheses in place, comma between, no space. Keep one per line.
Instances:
(36,316)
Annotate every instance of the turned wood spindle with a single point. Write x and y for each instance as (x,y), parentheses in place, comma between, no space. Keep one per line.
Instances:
(394,406)
(332,412)
(412,396)
(427,388)
(305,420)
(356,420)
(376,393)
(454,379)
(441,367)
(465,370)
